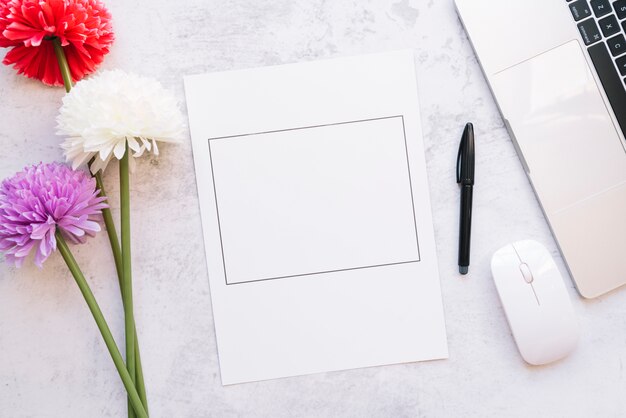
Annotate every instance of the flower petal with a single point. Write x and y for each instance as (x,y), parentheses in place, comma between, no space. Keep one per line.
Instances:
(40,199)
(119,150)
(82,26)
(102,114)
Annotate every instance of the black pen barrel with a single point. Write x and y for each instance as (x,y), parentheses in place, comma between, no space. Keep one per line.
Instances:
(465,225)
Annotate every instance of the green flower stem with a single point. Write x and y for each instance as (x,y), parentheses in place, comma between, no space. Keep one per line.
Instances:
(63,66)
(139,382)
(102,325)
(126,267)
(111,231)
(117,256)
(108,221)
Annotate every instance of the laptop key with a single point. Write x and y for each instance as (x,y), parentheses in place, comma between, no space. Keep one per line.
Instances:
(617,45)
(610,80)
(601,7)
(609,26)
(580,9)
(589,31)
(621,64)
(620,8)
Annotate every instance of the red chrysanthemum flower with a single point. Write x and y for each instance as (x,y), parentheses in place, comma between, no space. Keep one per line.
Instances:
(83,28)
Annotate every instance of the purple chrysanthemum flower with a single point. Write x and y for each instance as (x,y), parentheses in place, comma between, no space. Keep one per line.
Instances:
(40,199)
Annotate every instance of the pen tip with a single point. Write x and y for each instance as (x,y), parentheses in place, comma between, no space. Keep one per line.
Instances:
(463,269)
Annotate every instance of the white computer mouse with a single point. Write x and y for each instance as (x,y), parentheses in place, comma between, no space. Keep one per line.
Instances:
(535,301)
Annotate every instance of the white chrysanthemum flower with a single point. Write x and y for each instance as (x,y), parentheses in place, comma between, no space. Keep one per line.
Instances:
(103,113)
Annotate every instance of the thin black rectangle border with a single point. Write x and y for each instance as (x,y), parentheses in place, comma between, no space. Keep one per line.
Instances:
(219,227)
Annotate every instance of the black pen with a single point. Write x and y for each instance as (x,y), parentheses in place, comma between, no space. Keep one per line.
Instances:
(465,179)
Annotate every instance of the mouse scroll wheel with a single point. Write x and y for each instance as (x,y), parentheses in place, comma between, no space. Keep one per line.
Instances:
(528,277)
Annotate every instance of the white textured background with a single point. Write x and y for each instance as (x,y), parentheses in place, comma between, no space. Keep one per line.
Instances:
(52,360)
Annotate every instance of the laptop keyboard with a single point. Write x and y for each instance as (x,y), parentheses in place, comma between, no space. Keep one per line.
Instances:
(602,26)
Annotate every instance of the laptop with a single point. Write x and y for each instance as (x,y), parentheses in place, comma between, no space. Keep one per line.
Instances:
(557,70)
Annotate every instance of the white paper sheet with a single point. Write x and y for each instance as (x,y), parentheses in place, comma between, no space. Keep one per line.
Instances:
(316,216)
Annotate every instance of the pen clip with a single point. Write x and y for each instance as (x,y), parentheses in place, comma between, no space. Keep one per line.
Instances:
(458,159)
(465,156)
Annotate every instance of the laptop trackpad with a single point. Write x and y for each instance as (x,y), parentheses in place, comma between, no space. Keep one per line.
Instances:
(562,126)
(591,236)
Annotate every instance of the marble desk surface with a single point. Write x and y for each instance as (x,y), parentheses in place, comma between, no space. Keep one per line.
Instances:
(53,362)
